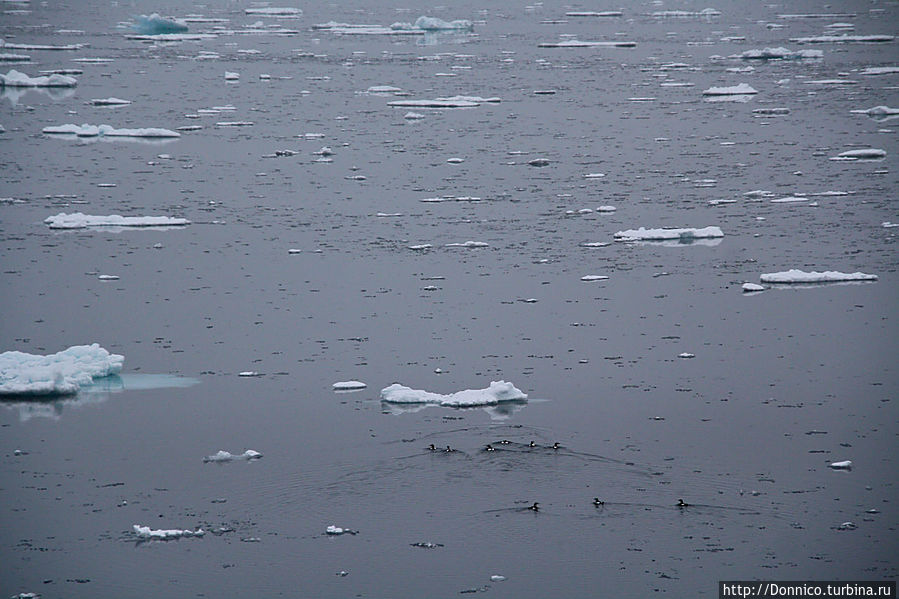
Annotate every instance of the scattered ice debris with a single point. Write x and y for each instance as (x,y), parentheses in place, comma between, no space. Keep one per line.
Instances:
(686,355)
(590,278)
(15,78)
(274,11)
(844,465)
(752,288)
(147,533)
(643,234)
(77,220)
(742,89)
(248,373)
(843,39)
(108,131)
(155,25)
(781,53)
(225,456)
(336,531)
(880,71)
(109,102)
(863,154)
(348,385)
(829,276)
(582,44)
(686,14)
(231,76)
(497,392)
(62,373)
(468,244)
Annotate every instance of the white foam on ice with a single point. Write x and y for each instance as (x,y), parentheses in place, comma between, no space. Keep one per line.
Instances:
(497,392)
(795,276)
(147,533)
(15,78)
(643,234)
(741,89)
(62,373)
(78,220)
(108,131)
(225,456)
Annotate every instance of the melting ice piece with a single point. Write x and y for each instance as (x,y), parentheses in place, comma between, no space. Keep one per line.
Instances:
(781,53)
(225,456)
(77,220)
(107,131)
(581,44)
(15,78)
(741,89)
(842,39)
(643,234)
(497,392)
(829,276)
(145,532)
(155,25)
(348,385)
(337,530)
(752,288)
(468,244)
(589,278)
(845,465)
(864,154)
(62,373)
(424,23)
(109,102)
(434,103)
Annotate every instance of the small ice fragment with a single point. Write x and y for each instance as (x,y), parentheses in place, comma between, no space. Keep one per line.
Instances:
(686,355)
(419,247)
(108,277)
(843,39)
(455,160)
(413,116)
(539,162)
(888,225)
(741,89)
(248,373)
(497,578)
(109,102)
(590,278)
(337,530)
(155,25)
(145,532)
(863,154)
(468,244)
(799,276)
(294,251)
(847,526)
(383,89)
(594,175)
(348,385)
(752,288)
(844,465)
(274,11)
(225,456)
(606,208)
(231,76)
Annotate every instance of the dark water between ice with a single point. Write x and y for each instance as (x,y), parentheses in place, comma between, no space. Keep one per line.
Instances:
(782,383)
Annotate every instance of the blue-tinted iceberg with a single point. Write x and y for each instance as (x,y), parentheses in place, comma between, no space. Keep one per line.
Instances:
(156,25)
(62,373)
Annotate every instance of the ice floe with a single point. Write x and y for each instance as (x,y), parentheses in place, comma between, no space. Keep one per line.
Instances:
(147,533)
(879,71)
(62,373)
(843,39)
(468,244)
(497,392)
(109,102)
(687,234)
(879,113)
(155,24)
(686,14)
(424,23)
(436,103)
(274,11)
(231,76)
(590,13)
(590,278)
(741,89)
(337,531)
(862,154)
(781,53)
(78,220)
(15,78)
(844,465)
(39,46)
(225,456)
(10,57)
(795,276)
(752,288)
(587,44)
(348,385)
(86,130)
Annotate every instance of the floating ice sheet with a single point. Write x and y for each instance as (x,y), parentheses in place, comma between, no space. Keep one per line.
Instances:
(863,154)
(742,89)
(843,39)
(15,78)
(147,533)
(62,373)
(348,385)
(587,44)
(109,131)
(497,392)
(78,220)
(225,456)
(781,53)
(643,234)
(795,276)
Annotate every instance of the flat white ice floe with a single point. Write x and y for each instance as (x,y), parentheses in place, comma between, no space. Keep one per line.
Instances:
(742,89)
(273,11)
(844,465)
(147,533)
(468,244)
(62,373)
(828,276)
(225,456)
(108,131)
(348,385)
(781,53)
(436,103)
(752,288)
(77,220)
(15,78)
(337,530)
(863,154)
(587,44)
(497,392)
(643,234)
(843,39)
(109,102)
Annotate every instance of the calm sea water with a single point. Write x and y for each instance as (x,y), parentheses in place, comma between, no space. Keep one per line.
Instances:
(782,383)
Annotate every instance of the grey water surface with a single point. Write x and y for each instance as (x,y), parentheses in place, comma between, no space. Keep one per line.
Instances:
(782,383)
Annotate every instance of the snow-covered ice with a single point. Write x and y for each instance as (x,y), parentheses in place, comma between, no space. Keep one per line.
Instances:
(62,373)
(643,234)
(77,220)
(348,385)
(86,130)
(147,533)
(844,465)
(497,392)
(742,89)
(752,287)
(225,456)
(15,78)
(828,276)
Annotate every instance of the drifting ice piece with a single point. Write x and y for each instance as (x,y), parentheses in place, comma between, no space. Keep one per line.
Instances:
(145,532)
(78,220)
(829,276)
(643,234)
(736,90)
(497,392)
(62,373)
(15,78)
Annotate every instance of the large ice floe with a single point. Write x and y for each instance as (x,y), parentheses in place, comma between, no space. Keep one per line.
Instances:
(781,53)
(424,23)
(145,533)
(422,26)
(62,373)
(155,24)
(15,78)
(861,154)
(742,89)
(77,220)
(587,44)
(795,276)
(684,235)
(843,39)
(497,392)
(222,456)
(879,113)
(109,131)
